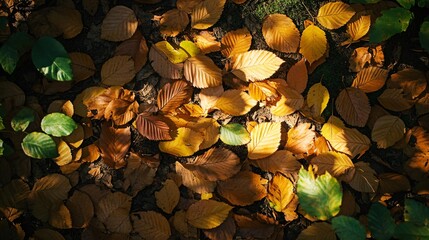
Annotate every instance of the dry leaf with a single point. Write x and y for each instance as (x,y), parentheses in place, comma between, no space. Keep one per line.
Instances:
(45,233)
(207,214)
(171,96)
(376,112)
(139,173)
(206,42)
(412,81)
(394,100)
(317,99)
(353,106)
(337,164)
(357,29)
(81,209)
(255,65)
(151,225)
(14,194)
(333,15)
(422,105)
(313,44)
(114,144)
(193,182)
(300,139)
(370,79)
(209,96)
(235,102)
(290,101)
(64,151)
(225,231)
(393,183)
(318,230)
(280,33)
(365,179)
(281,161)
(182,226)
(163,66)
(60,217)
(80,102)
(67,20)
(153,127)
(206,13)
(113,211)
(187,5)
(173,22)
(168,197)
(264,140)
(235,42)
(262,91)
(117,71)
(417,167)
(364,56)
(82,65)
(119,24)
(387,131)
(280,192)
(135,47)
(232,189)
(186,143)
(297,76)
(202,72)
(249,227)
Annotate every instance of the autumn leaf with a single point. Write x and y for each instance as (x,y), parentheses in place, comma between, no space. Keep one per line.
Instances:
(353,105)
(235,42)
(202,72)
(313,43)
(171,96)
(163,66)
(300,138)
(317,98)
(297,76)
(235,102)
(280,192)
(207,42)
(387,131)
(193,182)
(412,81)
(281,161)
(82,65)
(365,179)
(117,71)
(151,225)
(357,29)
(113,211)
(177,53)
(173,22)
(333,15)
(337,164)
(153,127)
(394,100)
(135,47)
(234,134)
(81,209)
(370,79)
(207,214)
(168,197)
(186,143)
(264,140)
(206,13)
(290,101)
(119,24)
(317,230)
(114,144)
(280,33)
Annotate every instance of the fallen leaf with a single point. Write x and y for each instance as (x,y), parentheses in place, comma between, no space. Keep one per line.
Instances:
(234,134)
(357,29)
(113,211)
(249,227)
(393,183)
(387,131)
(353,106)
(206,42)
(209,96)
(171,96)
(151,225)
(313,43)
(290,102)
(280,33)
(153,127)
(264,140)
(186,143)
(114,144)
(135,47)
(236,42)
(173,22)
(90,6)
(316,230)
(117,71)
(370,79)
(67,20)
(412,81)
(417,167)
(339,165)
(333,15)
(297,76)
(235,102)
(119,24)
(181,225)
(300,138)
(206,13)
(139,173)
(280,192)
(60,217)
(317,99)
(281,161)
(82,65)
(164,67)
(81,209)
(187,5)
(365,179)
(193,182)
(394,100)
(262,91)
(225,231)
(168,197)
(207,214)
(202,72)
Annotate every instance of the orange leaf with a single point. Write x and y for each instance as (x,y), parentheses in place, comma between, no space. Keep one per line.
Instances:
(136,48)
(186,143)
(300,139)
(290,101)
(412,81)
(235,42)
(353,106)
(235,102)
(357,29)
(173,22)
(370,79)
(164,67)
(281,161)
(280,33)
(255,65)
(119,24)
(224,231)
(153,127)
(280,192)
(206,13)
(261,91)
(209,96)
(171,96)
(297,76)
(417,167)
(337,164)
(202,72)
(333,15)
(114,144)
(67,20)
(206,42)
(207,214)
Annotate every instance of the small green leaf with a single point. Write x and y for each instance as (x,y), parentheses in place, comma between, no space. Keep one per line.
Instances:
(39,145)
(319,197)
(380,222)
(407,3)
(424,35)
(22,119)
(16,45)
(1,147)
(234,134)
(409,231)
(58,124)
(51,59)
(416,212)
(348,228)
(391,22)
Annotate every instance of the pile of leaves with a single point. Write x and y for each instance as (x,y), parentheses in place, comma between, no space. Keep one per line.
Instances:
(188,132)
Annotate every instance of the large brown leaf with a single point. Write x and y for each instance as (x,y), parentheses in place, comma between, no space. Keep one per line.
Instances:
(353,106)
(114,144)
(171,96)
(193,182)
(412,81)
(370,79)
(153,127)
(135,47)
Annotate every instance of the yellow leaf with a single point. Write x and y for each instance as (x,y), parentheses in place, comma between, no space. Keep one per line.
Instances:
(235,42)
(393,99)
(178,54)
(357,29)
(370,79)
(235,102)
(264,140)
(317,99)
(261,91)
(173,22)
(365,178)
(280,33)
(119,24)
(255,65)
(207,214)
(202,72)
(209,96)
(353,106)
(65,155)
(206,13)
(280,192)
(118,71)
(186,143)
(290,101)
(151,225)
(387,131)
(313,43)
(168,197)
(206,42)
(333,15)
(337,164)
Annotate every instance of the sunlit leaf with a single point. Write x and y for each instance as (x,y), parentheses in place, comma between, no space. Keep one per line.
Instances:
(194,182)
(255,65)
(163,66)
(202,72)
(178,54)
(207,214)
(290,101)
(58,124)
(370,79)
(387,131)
(186,143)
(173,22)
(280,33)
(264,140)
(235,42)
(235,102)
(317,98)
(313,43)
(119,24)
(281,161)
(337,164)
(319,197)
(348,228)
(353,106)
(262,91)
(151,225)
(380,222)
(206,13)
(153,127)
(39,145)
(206,42)
(391,22)
(300,138)
(333,15)
(280,192)
(297,76)
(171,96)
(65,154)
(234,134)
(412,81)
(357,29)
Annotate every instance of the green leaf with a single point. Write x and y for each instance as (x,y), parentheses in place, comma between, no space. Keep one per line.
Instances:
(58,124)
(319,197)
(1,147)
(39,145)
(406,3)
(424,35)
(416,212)
(51,59)
(380,222)
(22,119)
(234,134)
(391,22)
(16,45)
(348,228)
(364,1)
(409,231)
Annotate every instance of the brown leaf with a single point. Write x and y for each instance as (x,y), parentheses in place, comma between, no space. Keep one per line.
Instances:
(297,76)
(281,161)
(82,65)
(118,71)
(153,127)
(187,5)
(353,106)
(339,165)
(90,153)
(60,217)
(114,144)
(209,96)
(300,138)
(67,20)
(364,56)
(370,79)
(81,209)
(215,164)
(206,13)
(182,226)
(193,182)
(365,179)
(394,100)
(119,24)
(113,211)
(151,225)
(135,47)
(207,214)
(139,173)
(249,227)
(171,96)
(163,66)
(393,183)
(14,194)
(233,190)
(417,167)
(412,81)
(173,22)
(225,231)
(168,197)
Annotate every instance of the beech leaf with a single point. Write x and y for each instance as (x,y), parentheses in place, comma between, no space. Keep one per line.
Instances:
(234,134)
(264,140)
(207,214)
(255,65)
(280,33)
(313,43)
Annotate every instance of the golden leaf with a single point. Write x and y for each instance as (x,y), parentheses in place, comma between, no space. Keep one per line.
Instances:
(168,197)
(255,65)
(207,214)
(202,72)
(387,131)
(353,106)
(333,15)
(264,140)
(209,96)
(186,143)
(177,54)
(337,164)
(117,71)
(235,42)
(280,192)
(357,29)
(365,179)
(297,76)
(82,65)
(173,22)
(370,79)
(281,161)
(206,13)
(313,43)
(393,99)
(151,225)
(64,151)
(261,91)
(235,102)
(290,101)
(317,99)
(300,139)
(119,24)
(280,33)
(206,42)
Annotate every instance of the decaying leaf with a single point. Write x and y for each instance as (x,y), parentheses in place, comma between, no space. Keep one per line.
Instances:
(280,33)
